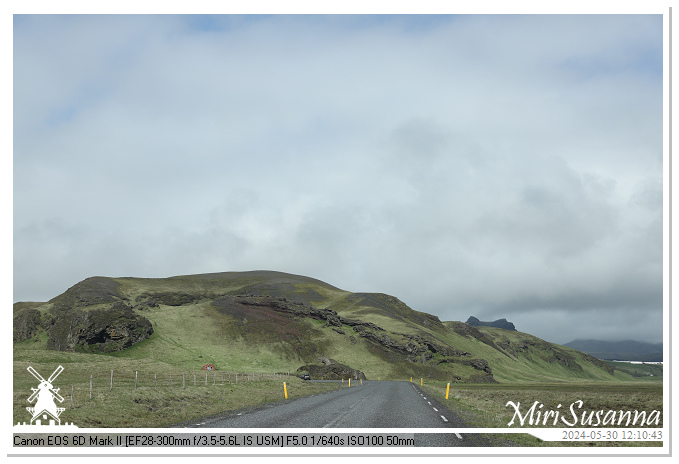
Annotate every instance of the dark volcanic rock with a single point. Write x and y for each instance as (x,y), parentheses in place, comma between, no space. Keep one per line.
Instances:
(331,370)
(293,308)
(500,323)
(102,330)
(166,298)
(27,324)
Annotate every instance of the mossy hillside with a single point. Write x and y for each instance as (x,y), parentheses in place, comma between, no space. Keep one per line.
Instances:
(520,357)
(191,327)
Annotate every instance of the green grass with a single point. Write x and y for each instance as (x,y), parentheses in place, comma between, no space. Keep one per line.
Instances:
(164,395)
(644,372)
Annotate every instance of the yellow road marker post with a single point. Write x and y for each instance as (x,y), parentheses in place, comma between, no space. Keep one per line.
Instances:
(285,390)
(420,382)
(447,390)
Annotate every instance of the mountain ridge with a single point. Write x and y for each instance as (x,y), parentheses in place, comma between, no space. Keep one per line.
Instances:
(280,320)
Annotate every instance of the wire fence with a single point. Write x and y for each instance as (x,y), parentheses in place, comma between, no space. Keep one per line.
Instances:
(110,381)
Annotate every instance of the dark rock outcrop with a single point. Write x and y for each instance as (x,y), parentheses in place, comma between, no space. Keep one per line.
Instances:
(500,323)
(165,298)
(98,330)
(294,308)
(329,369)
(28,323)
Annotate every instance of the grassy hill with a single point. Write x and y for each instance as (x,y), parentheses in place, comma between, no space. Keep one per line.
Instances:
(271,321)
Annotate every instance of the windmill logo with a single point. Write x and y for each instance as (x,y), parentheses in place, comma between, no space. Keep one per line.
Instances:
(45,408)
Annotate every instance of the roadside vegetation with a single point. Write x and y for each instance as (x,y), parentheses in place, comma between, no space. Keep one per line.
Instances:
(164,394)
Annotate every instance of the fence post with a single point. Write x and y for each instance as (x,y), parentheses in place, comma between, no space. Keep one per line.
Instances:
(135,379)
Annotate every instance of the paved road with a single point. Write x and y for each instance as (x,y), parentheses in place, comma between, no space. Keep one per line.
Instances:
(376,404)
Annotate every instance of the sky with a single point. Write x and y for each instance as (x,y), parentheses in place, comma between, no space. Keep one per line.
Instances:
(496,166)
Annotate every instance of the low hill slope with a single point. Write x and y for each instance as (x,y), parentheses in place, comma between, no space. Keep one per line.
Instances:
(265,320)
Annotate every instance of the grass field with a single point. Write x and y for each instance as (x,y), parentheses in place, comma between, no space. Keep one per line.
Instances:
(164,394)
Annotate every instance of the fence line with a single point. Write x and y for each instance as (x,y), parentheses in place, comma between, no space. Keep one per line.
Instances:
(133,380)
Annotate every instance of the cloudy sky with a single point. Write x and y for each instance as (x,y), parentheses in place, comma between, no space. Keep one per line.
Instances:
(495,166)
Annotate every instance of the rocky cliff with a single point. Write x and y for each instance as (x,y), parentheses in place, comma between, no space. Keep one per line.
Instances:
(500,323)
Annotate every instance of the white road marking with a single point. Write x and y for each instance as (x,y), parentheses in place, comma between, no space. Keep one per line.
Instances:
(444,419)
(435,409)
(458,435)
(429,403)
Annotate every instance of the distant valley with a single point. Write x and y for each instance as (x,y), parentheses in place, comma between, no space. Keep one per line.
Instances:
(627,350)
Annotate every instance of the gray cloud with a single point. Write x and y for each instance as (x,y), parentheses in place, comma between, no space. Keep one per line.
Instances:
(516,174)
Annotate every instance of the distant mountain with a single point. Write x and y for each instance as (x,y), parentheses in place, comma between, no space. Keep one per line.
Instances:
(627,350)
(500,323)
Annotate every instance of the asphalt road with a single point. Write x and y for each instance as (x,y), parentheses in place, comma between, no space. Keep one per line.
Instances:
(375,404)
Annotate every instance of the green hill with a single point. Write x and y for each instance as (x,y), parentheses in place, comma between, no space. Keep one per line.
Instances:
(272,321)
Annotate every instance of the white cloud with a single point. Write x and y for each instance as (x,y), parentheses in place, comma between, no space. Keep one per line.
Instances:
(511,173)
